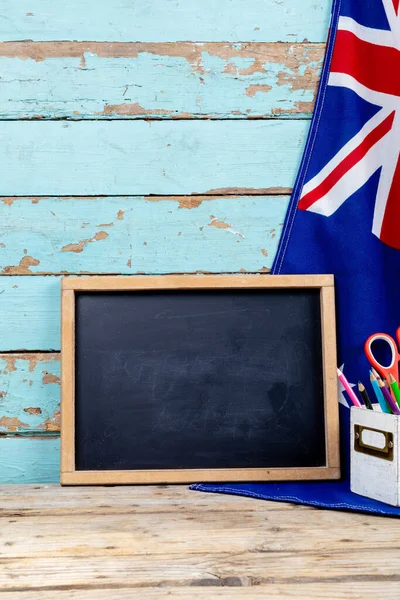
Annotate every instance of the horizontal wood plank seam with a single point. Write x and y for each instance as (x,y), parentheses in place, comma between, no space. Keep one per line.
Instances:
(111,274)
(230,193)
(153,118)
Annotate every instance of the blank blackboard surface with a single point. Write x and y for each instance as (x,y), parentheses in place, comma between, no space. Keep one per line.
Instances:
(198,379)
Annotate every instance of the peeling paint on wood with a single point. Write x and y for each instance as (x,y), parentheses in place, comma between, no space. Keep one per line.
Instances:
(154,20)
(133,157)
(31,393)
(29,460)
(158,80)
(152,235)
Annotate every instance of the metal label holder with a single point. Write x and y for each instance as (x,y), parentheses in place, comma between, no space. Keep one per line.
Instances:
(385,453)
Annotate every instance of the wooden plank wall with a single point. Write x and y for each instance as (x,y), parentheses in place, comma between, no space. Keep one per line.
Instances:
(142,137)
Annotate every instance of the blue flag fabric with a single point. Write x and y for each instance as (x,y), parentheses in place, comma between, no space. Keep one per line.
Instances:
(344,214)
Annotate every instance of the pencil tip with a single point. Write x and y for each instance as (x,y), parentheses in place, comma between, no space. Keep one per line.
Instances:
(339,372)
(391,378)
(372,376)
(375,373)
(361,388)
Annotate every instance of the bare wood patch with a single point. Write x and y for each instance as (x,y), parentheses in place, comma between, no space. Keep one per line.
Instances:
(50,378)
(24,267)
(248,191)
(32,358)
(78,247)
(135,109)
(218,224)
(33,410)
(52,423)
(299,108)
(12,423)
(10,362)
(256,88)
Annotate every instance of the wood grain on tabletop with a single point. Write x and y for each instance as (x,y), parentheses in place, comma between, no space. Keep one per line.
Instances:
(161,540)
(273,591)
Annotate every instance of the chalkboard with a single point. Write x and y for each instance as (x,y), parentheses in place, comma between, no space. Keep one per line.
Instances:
(199,380)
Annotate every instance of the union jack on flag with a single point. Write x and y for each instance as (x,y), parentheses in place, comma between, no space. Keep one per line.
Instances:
(366,60)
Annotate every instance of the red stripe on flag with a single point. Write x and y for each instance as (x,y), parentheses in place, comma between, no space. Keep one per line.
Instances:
(347,163)
(390,232)
(376,67)
(396,6)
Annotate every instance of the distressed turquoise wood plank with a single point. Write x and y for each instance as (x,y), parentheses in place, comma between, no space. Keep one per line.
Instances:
(165,20)
(29,393)
(133,81)
(139,157)
(29,460)
(30,313)
(128,235)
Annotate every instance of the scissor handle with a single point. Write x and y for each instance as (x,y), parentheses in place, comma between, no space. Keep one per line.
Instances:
(384,370)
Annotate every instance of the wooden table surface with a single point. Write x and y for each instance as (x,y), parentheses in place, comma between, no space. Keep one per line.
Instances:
(169,542)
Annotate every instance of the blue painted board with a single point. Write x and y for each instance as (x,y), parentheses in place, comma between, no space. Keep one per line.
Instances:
(165,20)
(162,81)
(30,393)
(139,157)
(29,460)
(30,313)
(128,235)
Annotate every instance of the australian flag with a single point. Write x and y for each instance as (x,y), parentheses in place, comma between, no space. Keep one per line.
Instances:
(344,213)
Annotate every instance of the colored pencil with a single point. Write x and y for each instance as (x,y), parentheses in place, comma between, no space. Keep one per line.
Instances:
(395,387)
(348,389)
(378,393)
(388,397)
(379,378)
(376,374)
(364,395)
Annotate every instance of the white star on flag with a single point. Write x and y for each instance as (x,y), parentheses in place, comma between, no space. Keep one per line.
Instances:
(342,399)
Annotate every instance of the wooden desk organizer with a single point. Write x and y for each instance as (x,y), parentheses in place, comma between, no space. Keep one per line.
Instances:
(375,459)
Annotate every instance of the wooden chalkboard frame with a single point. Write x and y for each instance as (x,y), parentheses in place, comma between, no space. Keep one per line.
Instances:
(71,286)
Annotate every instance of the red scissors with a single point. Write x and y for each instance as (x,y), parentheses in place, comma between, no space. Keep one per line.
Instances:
(393,367)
